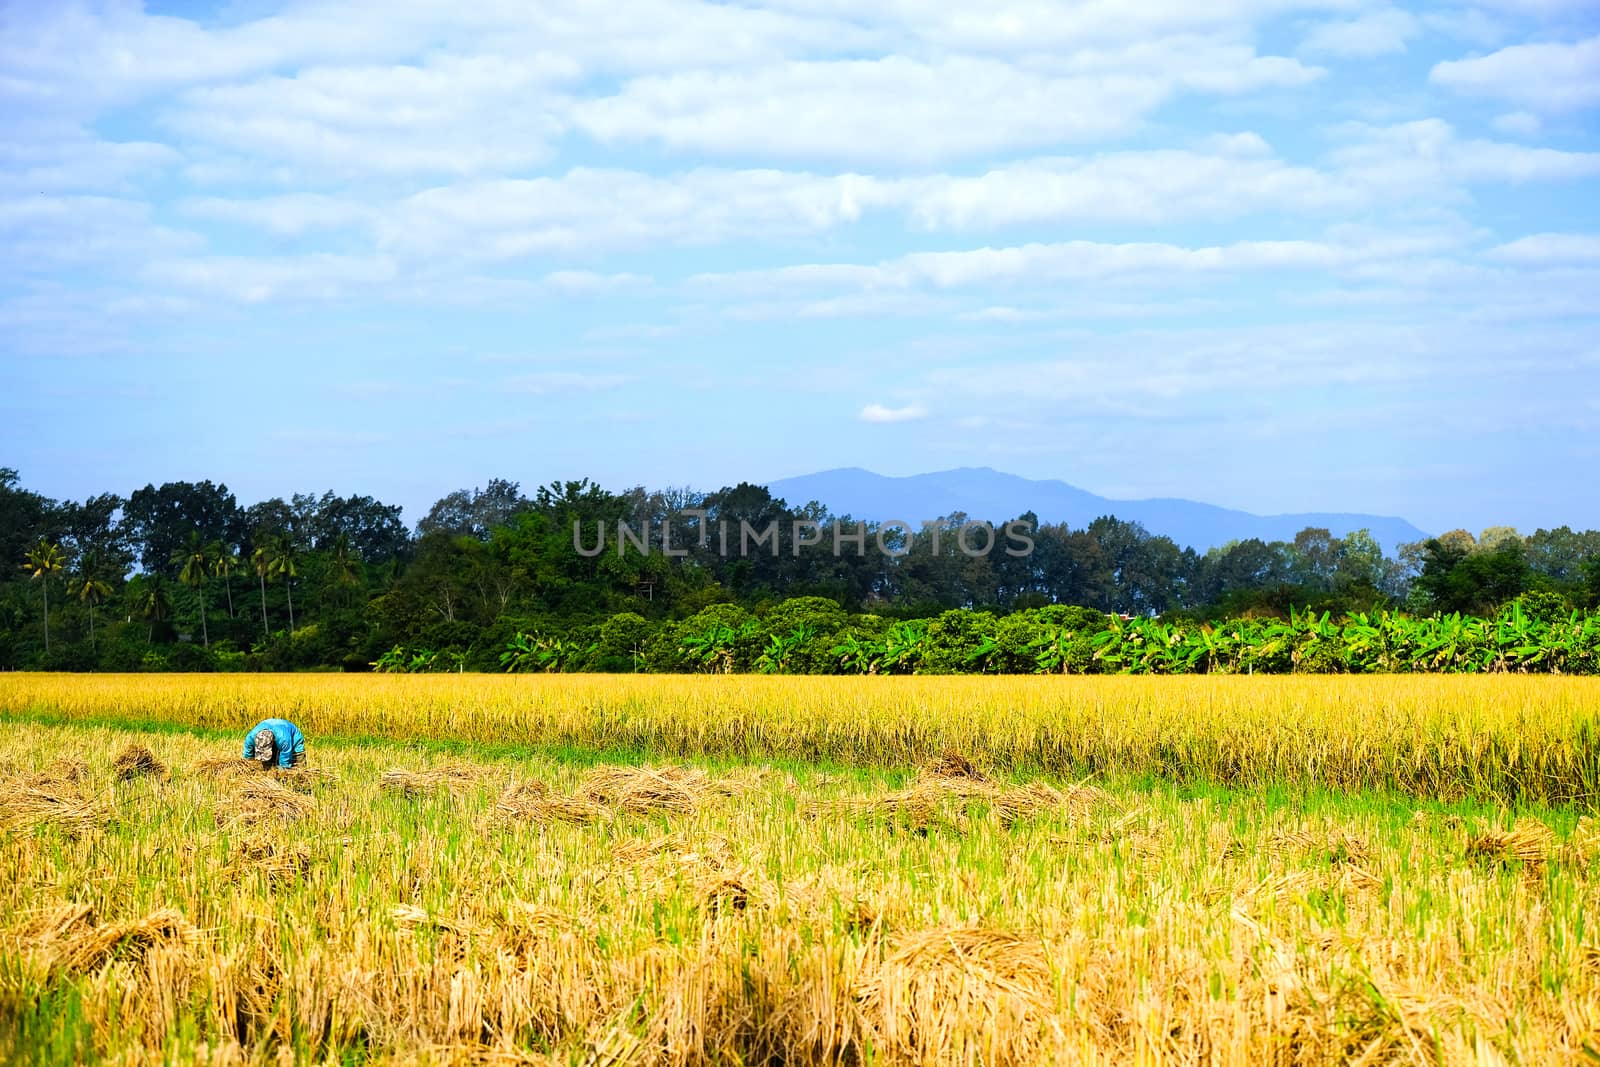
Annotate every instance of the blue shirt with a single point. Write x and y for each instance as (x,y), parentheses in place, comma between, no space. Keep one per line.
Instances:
(288,741)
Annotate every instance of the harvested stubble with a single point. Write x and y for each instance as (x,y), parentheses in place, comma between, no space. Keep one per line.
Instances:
(136,761)
(1230,941)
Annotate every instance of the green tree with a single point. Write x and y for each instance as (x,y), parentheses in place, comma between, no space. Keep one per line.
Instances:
(283,564)
(148,596)
(44,560)
(193,562)
(261,563)
(224,564)
(90,590)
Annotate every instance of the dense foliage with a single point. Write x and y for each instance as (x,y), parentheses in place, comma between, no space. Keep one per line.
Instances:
(183,577)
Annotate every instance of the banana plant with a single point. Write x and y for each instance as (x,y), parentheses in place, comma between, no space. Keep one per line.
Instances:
(779,653)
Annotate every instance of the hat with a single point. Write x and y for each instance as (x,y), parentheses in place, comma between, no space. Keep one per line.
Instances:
(265,748)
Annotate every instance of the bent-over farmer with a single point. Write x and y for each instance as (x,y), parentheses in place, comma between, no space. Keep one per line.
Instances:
(275,740)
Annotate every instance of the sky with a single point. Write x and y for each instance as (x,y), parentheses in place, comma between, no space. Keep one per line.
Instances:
(1280,255)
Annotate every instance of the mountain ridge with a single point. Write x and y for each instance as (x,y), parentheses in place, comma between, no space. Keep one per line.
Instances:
(987,494)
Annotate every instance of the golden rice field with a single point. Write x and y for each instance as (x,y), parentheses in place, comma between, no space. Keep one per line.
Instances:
(1509,738)
(675,871)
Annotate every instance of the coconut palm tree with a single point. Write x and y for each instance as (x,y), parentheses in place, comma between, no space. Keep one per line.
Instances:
(261,563)
(284,565)
(90,589)
(43,560)
(149,597)
(342,562)
(223,564)
(194,561)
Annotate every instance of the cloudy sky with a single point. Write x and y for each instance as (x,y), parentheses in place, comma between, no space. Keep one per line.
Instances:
(1274,254)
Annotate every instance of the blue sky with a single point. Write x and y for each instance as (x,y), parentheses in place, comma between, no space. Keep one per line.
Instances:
(1280,255)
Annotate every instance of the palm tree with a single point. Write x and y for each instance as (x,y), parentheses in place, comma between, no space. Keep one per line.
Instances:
(342,562)
(43,560)
(261,561)
(223,564)
(148,596)
(194,559)
(283,565)
(90,589)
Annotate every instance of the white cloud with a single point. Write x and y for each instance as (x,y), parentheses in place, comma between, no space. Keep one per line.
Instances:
(898,110)
(1376,33)
(586,282)
(880,413)
(253,280)
(451,115)
(1543,77)
(1543,249)
(110,234)
(290,215)
(1518,124)
(544,383)
(40,157)
(1087,261)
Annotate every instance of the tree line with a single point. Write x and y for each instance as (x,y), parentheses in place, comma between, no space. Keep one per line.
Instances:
(182,576)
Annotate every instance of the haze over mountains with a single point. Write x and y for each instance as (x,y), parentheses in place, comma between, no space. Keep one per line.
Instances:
(985,493)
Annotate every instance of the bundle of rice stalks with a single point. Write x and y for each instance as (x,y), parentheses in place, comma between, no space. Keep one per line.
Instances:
(409,917)
(52,924)
(416,783)
(920,808)
(278,860)
(225,767)
(136,761)
(259,800)
(301,779)
(961,995)
(1077,802)
(76,944)
(724,893)
(953,764)
(615,1048)
(712,850)
(1528,841)
(535,802)
(1335,847)
(643,790)
(23,807)
(61,771)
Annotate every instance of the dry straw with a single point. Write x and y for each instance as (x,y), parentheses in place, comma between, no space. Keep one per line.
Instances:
(136,761)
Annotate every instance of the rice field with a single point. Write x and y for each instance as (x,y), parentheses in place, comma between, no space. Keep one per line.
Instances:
(644,871)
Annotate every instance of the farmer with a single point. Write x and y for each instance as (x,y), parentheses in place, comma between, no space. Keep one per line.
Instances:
(275,739)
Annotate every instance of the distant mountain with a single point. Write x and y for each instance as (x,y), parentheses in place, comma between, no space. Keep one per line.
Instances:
(989,494)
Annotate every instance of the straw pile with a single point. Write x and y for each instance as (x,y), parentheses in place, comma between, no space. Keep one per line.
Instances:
(534,802)
(644,790)
(953,765)
(225,767)
(55,797)
(1528,841)
(1335,847)
(417,783)
(961,995)
(262,799)
(72,941)
(136,761)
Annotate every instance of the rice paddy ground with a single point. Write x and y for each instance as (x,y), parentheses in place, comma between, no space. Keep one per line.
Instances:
(610,872)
